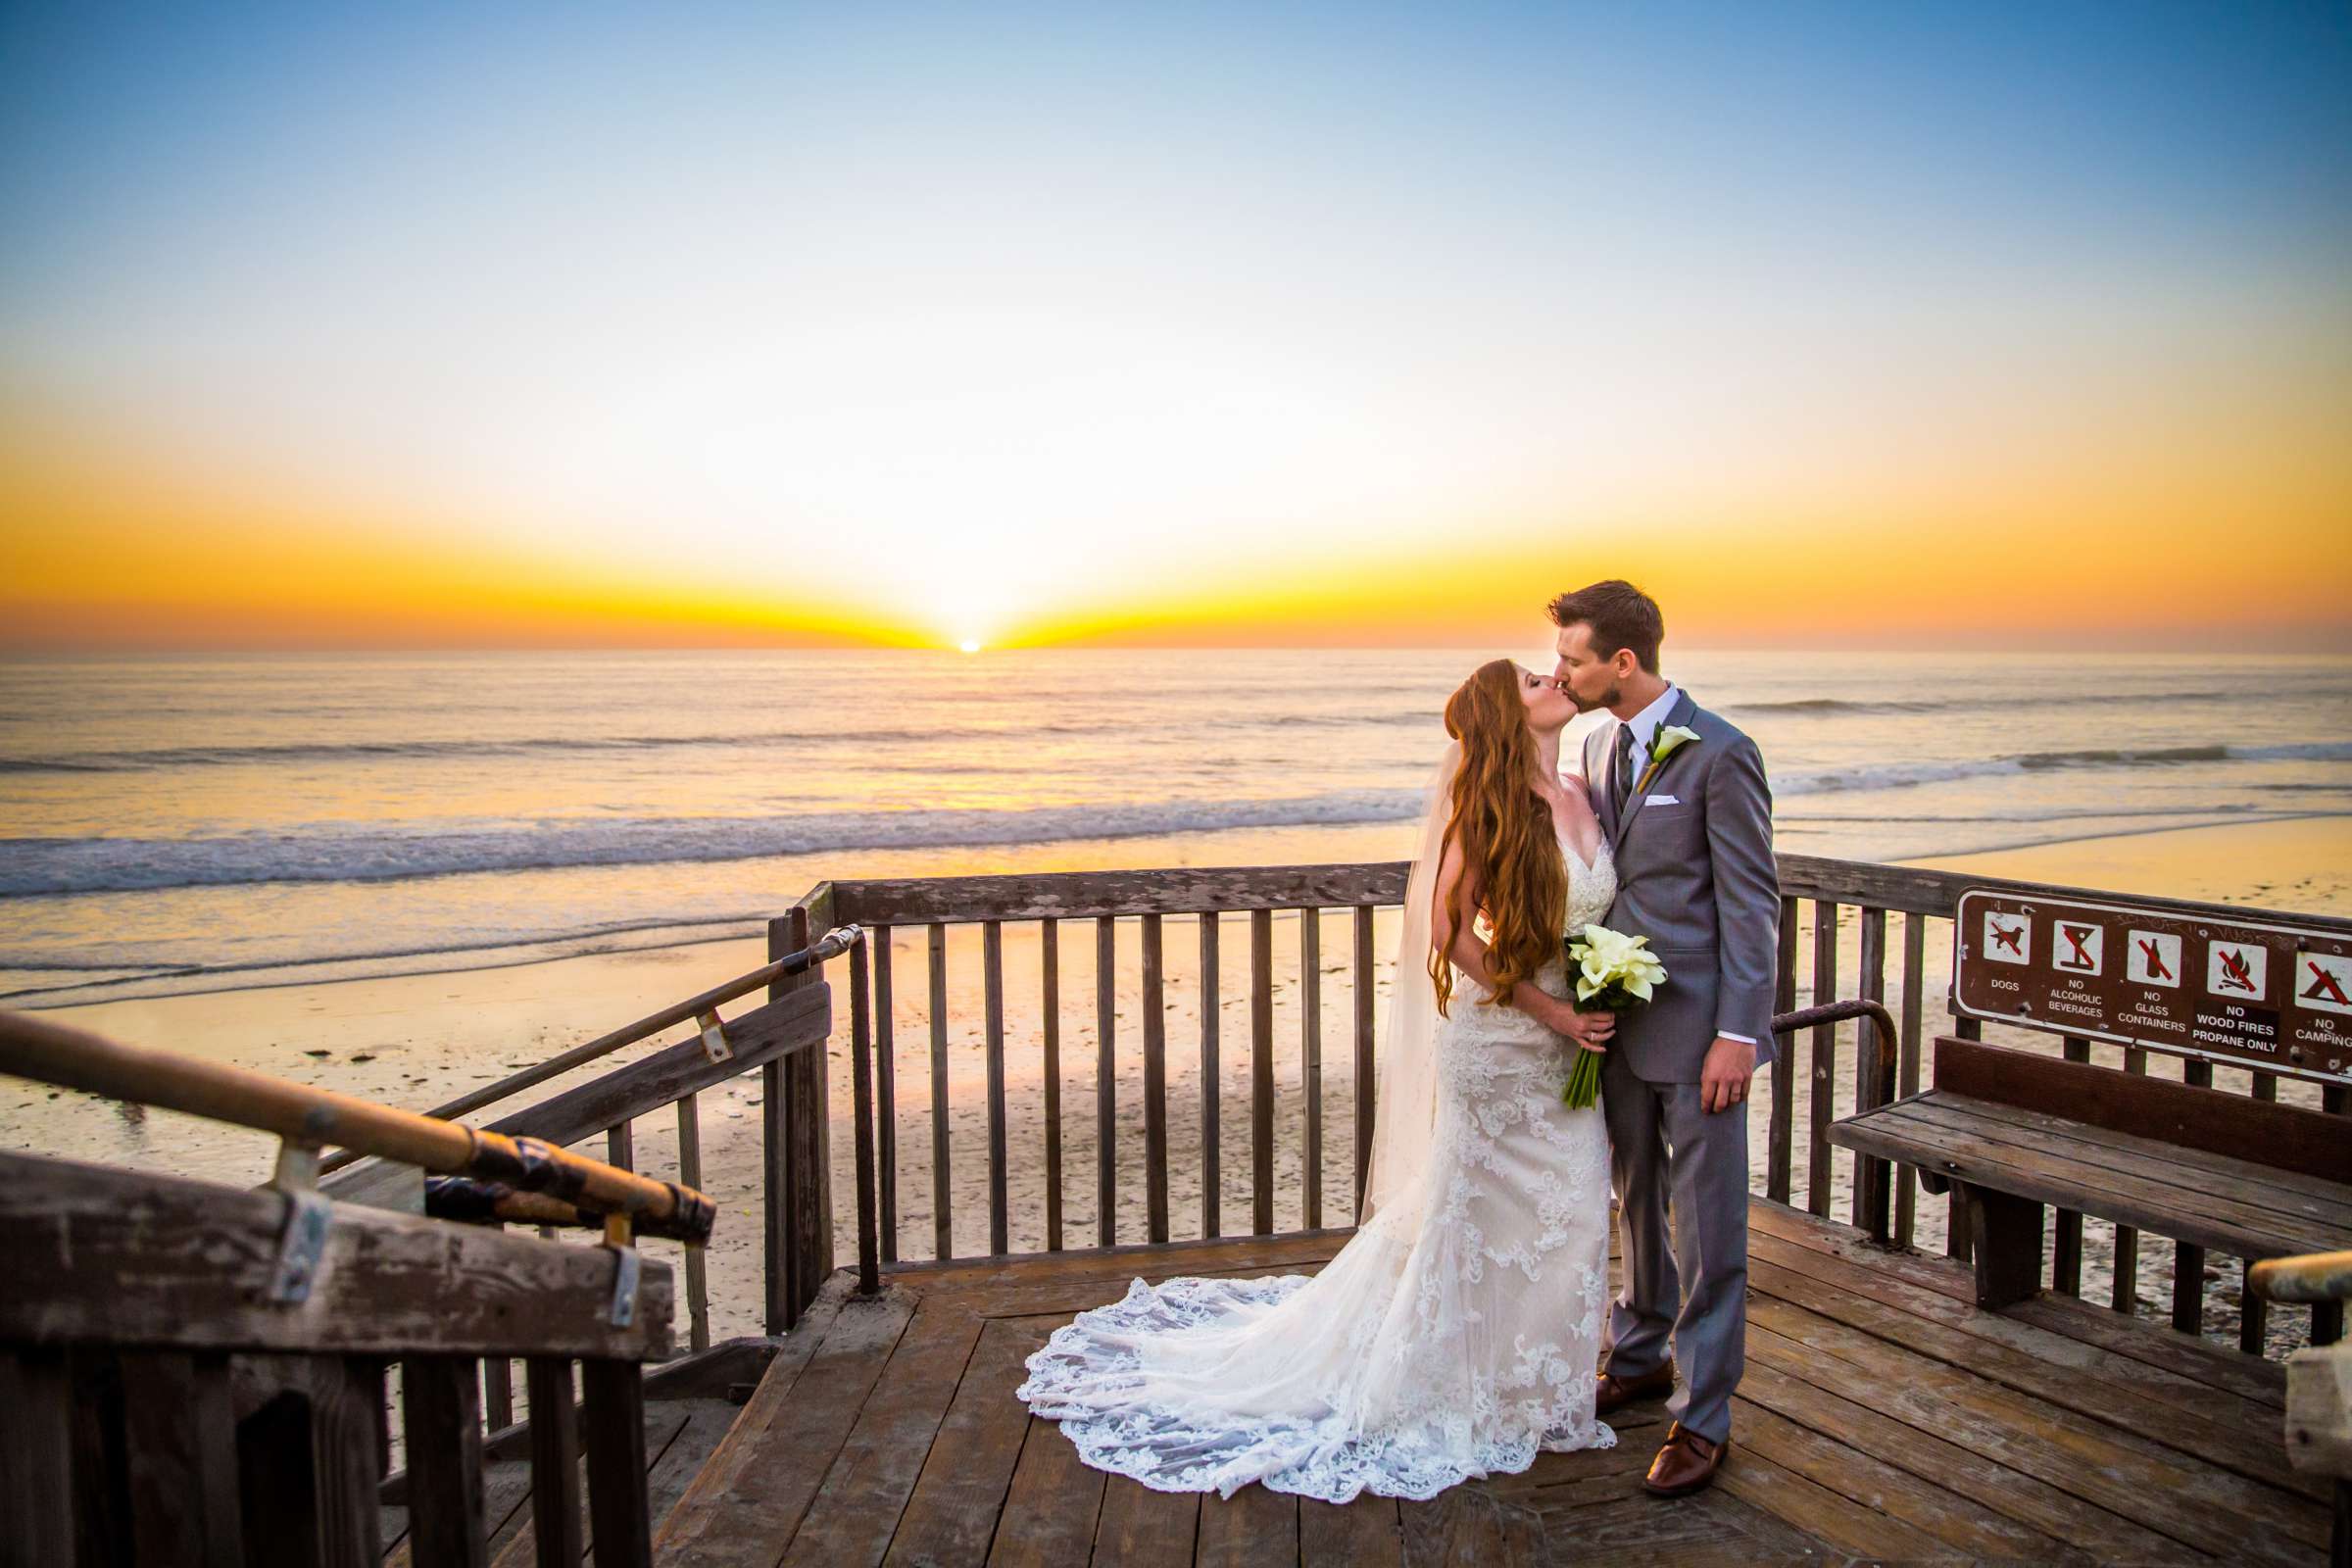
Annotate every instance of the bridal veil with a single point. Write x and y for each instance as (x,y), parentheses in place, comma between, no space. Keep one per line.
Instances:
(1406,1070)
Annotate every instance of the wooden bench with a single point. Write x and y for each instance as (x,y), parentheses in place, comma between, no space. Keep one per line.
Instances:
(2013,1132)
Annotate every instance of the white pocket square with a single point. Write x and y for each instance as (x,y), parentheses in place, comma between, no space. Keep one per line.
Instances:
(1664,799)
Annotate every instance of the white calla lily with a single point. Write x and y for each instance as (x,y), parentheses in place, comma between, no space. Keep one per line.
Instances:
(1613,970)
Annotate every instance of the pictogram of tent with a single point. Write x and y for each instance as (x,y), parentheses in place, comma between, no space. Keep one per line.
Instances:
(2323,988)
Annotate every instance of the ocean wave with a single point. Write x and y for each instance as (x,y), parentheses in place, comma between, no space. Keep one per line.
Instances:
(134,963)
(284,752)
(1904,775)
(2097,814)
(39,866)
(56,865)
(1829,704)
(1222,720)
(168,756)
(1981,704)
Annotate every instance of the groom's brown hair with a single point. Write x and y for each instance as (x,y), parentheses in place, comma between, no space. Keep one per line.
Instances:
(1620,614)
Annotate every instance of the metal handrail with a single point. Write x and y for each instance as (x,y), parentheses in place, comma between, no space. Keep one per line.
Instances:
(833,944)
(1874,1179)
(307,1118)
(2312,1277)
(1788,1023)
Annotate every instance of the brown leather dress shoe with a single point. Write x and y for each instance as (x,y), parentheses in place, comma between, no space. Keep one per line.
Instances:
(1685,1464)
(1616,1392)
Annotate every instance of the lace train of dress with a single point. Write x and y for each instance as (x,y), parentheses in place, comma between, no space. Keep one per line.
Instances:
(1455,1336)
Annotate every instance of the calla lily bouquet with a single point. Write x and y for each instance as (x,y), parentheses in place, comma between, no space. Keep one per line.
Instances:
(1614,971)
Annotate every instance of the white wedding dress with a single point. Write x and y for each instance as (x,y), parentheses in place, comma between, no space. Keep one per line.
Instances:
(1455,1335)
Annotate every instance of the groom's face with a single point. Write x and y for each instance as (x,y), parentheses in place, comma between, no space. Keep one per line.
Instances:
(1590,681)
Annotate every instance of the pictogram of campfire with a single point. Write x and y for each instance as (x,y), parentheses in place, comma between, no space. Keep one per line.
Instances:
(2235,975)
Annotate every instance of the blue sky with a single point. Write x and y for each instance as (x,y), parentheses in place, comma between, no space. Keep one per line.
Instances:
(565,274)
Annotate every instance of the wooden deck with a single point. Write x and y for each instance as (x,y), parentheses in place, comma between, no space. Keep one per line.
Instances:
(1882,1416)
(680,1435)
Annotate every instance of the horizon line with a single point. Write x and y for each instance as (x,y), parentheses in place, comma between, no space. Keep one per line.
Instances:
(2023,647)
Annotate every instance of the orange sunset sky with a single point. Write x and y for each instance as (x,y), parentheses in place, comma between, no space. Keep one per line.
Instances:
(1953,328)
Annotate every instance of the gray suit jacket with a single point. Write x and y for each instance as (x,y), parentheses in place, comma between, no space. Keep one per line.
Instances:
(1695,874)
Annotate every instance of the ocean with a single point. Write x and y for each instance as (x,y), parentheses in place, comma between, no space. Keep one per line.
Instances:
(201,824)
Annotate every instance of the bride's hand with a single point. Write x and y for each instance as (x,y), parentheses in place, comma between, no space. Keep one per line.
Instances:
(1589,1030)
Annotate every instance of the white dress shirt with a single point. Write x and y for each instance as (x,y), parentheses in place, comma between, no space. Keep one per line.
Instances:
(1644,726)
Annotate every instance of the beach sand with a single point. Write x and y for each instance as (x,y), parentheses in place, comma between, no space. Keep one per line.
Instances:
(416,1040)
(2301,865)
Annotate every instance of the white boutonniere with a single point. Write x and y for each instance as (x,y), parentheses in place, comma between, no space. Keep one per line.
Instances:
(1670,739)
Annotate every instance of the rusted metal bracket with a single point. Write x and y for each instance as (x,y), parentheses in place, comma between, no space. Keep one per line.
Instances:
(627,1267)
(303,1243)
(715,1036)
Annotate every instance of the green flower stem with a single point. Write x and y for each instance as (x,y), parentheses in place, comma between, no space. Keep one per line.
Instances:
(1584,1080)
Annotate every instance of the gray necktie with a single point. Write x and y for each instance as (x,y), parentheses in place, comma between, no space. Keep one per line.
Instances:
(1621,775)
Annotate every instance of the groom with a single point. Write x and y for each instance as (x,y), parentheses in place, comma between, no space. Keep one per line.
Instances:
(1682,798)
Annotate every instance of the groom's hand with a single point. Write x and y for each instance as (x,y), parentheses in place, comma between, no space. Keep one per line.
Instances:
(1723,1077)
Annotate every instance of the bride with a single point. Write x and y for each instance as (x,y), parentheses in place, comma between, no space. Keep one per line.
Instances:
(1457,1332)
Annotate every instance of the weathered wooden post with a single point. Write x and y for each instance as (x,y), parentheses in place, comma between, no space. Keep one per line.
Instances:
(863,1111)
(796,1139)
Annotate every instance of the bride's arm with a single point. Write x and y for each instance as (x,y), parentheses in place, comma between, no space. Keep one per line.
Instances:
(1453,904)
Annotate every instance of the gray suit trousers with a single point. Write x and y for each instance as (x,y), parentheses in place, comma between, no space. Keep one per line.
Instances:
(1663,1147)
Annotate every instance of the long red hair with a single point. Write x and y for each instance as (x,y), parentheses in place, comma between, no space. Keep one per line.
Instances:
(1505,831)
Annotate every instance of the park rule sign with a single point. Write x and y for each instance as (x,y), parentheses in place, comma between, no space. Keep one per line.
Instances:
(2278,997)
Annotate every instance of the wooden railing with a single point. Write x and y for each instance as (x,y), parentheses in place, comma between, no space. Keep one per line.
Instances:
(194,1373)
(1103,898)
(1847,930)
(797,1017)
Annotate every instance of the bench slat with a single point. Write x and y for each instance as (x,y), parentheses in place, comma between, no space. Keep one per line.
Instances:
(2090,1185)
(2289,1137)
(2292,1184)
(2199,1174)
